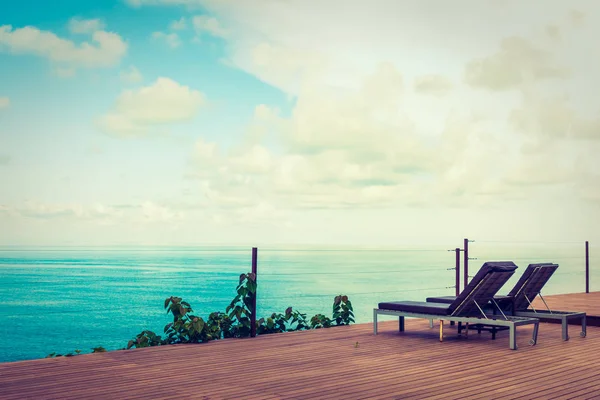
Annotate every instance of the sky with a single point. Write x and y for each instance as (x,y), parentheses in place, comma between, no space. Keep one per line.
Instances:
(258,122)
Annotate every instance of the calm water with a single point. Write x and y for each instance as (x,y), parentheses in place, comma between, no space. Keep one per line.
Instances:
(62,299)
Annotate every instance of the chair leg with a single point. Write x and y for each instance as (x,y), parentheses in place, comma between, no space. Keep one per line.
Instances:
(441,330)
(565,329)
(583,326)
(512,337)
(533,340)
(374,322)
(430,324)
(401,324)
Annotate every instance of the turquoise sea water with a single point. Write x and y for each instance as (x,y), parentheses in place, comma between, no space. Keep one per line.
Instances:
(62,299)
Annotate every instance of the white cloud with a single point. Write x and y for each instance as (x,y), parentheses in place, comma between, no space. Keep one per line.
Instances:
(64,72)
(140,3)
(106,49)
(211,25)
(359,135)
(518,62)
(141,112)
(144,212)
(432,84)
(171,39)
(550,118)
(131,75)
(85,26)
(356,138)
(4,102)
(153,212)
(179,24)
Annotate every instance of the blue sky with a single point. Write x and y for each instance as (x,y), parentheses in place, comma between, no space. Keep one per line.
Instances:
(214,121)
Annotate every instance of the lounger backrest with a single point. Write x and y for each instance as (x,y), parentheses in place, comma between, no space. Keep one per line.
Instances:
(482,288)
(531,283)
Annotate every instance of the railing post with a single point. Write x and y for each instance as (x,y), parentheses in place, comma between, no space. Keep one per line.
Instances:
(587,266)
(466,263)
(255,272)
(457,284)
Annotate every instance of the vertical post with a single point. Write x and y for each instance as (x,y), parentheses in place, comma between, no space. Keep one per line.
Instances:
(466,263)
(587,266)
(457,284)
(254,271)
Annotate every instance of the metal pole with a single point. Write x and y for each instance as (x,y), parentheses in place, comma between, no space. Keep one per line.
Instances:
(466,263)
(254,271)
(457,284)
(587,266)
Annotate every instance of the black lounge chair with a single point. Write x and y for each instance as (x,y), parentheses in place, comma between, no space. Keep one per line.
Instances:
(519,300)
(467,307)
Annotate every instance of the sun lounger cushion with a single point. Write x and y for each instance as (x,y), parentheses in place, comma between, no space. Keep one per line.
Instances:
(416,307)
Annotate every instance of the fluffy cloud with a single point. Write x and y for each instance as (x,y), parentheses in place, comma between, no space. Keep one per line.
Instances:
(105,50)
(355,138)
(171,39)
(141,112)
(144,212)
(549,118)
(4,102)
(131,75)
(189,3)
(210,25)
(85,26)
(351,151)
(432,84)
(519,61)
(179,24)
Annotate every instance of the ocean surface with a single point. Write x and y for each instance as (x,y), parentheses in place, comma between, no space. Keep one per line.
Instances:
(62,299)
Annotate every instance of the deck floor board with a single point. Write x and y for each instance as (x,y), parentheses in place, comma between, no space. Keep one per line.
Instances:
(329,364)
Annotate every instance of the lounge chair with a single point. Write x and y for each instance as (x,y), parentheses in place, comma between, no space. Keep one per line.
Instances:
(519,300)
(467,307)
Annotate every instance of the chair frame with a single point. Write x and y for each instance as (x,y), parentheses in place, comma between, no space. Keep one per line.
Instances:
(468,306)
(520,289)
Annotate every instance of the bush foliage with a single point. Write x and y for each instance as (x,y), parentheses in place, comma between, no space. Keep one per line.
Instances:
(235,322)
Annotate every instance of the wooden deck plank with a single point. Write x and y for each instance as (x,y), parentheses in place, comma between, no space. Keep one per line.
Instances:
(326,364)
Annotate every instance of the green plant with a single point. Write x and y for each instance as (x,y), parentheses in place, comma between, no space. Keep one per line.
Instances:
(145,339)
(320,321)
(296,320)
(186,327)
(276,323)
(220,325)
(98,349)
(342,310)
(235,322)
(239,308)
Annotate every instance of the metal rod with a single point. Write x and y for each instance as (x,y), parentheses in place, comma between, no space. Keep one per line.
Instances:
(587,266)
(529,301)
(482,313)
(466,263)
(546,304)
(457,284)
(255,272)
(499,309)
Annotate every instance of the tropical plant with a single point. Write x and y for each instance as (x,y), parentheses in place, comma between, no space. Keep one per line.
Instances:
(320,321)
(342,310)
(239,309)
(235,322)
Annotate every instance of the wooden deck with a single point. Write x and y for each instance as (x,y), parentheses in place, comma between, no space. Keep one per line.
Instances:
(588,302)
(337,363)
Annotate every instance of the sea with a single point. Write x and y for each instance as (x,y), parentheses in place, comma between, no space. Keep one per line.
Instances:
(62,299)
